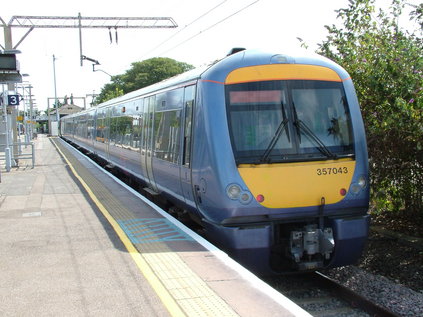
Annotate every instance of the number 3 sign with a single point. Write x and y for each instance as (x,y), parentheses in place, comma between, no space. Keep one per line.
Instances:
(13,100)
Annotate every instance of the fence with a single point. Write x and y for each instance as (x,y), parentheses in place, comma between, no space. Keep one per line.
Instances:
(21,155)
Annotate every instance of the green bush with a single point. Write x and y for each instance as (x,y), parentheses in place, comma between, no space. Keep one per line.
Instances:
(386,65)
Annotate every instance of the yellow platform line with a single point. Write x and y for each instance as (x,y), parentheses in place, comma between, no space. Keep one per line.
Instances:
(182,292)
(145,269)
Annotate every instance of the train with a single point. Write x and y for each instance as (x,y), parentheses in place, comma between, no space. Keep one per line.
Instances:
(265,151)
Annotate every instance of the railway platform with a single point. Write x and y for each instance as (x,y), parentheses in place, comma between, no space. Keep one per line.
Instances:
(74,241)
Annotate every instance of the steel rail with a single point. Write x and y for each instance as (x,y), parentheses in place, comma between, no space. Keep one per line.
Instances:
(351,297)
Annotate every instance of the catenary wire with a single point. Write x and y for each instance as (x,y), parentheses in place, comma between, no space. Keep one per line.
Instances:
(186,26)
(210,27)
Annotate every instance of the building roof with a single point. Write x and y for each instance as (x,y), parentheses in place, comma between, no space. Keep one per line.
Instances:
(66,109)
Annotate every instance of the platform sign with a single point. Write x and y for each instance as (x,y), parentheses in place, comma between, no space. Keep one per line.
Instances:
(13,100)
(8,62)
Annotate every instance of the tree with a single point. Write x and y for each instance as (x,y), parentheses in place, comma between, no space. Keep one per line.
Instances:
(386,65)
(142,74)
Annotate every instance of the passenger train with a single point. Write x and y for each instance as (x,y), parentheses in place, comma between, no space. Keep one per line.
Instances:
(267,152)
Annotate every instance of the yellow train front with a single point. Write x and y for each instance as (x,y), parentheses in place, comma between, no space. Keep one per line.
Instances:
(279,162)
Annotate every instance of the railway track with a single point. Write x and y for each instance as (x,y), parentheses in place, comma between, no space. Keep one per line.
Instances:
(323,297)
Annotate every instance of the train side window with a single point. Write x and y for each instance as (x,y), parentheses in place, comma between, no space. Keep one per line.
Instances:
(189,96)
(174,99)
(167,125)
(82,127)
(136,124)
(113,127)
(101,125)
(143,123)
(167,132)
(90,125)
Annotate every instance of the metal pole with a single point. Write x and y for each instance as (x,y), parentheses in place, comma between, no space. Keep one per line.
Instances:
(25,118)
(55,92)
(48,116)
(80,38)
(33,154)
(7,153)
(8,44)
(31,106)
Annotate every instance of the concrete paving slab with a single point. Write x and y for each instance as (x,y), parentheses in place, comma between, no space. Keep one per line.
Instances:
(56,257)
(60,256)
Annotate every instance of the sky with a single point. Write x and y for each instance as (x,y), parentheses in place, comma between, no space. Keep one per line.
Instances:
(206,31)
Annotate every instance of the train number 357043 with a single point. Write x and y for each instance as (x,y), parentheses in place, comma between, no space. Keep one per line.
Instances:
(332,170)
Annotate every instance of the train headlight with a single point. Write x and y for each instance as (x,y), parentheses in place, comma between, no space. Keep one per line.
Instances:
(359,185)
(362,182)
(245,197)
(355,188)
(233,191)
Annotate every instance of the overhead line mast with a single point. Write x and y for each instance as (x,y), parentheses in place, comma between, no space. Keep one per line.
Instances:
(91,22)
(80,22)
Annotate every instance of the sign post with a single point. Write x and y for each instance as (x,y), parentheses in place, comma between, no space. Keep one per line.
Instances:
(7,153)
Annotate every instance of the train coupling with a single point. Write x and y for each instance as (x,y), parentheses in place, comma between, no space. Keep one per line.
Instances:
(310,246)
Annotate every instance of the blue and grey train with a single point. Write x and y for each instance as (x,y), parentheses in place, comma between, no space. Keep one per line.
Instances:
(267,152)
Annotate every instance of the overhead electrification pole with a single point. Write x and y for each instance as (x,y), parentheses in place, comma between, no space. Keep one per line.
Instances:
(11,87)
(80,22)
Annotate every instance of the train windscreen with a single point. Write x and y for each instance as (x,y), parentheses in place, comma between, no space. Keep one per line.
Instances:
(279,121)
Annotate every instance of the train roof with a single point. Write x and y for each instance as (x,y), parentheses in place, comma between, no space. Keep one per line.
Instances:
(247,58)
(175,80)
(218,71)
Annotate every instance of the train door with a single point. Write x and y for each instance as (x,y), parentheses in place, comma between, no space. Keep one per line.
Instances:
(185,171)
(148,137)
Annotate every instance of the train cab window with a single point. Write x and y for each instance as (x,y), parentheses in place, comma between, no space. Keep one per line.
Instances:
(293,120)
(323,113)
(257,113)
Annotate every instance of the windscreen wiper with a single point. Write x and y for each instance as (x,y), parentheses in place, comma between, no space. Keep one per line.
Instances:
(275,139)
(282,126)
(301,126)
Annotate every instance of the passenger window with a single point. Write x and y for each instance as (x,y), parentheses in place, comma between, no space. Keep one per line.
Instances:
(167,132)
(167,125)
(101,126)
(189,96)
(136,125)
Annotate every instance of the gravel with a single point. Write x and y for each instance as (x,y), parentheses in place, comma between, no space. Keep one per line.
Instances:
(379,289)
(389,274)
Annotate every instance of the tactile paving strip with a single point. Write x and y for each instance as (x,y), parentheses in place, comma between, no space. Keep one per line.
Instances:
(149,230)
(149,236)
